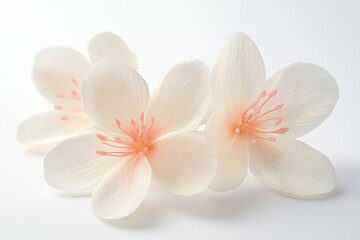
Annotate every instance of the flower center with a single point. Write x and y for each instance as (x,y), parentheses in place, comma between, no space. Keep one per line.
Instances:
(136,137)
(257,121)
(71,112)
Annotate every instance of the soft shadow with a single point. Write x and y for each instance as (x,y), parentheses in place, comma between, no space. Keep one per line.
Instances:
(209,205)
(145,216)
(221,206)
(248,200)
(73,194)
(348,178)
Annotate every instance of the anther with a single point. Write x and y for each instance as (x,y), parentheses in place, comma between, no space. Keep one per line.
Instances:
(101,137)
(74,93)
(278,107)
(137,138)
(74,81)
(278,121)
(58,107)
(64,118)
(272,139)
(263,94)
(281,130)
(142,117)
(118,123)
(102,153)
(273,93)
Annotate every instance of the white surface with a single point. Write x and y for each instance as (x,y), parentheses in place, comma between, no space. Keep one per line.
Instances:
(163,33)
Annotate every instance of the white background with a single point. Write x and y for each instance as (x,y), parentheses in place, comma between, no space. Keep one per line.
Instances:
(163,33)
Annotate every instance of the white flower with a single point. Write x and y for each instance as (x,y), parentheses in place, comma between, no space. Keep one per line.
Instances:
(139,138)
(256,122)
(58,75)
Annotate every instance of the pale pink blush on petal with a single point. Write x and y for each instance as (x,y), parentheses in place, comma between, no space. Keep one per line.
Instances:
(123,189)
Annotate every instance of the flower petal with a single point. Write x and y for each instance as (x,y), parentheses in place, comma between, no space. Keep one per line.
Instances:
(292,168)
(108,45)
(121,192)
(112,90)
(309,94)
(54,70)
(182,163)
(74,165)
(181,101)
(238,74)
(233,152)
(47,127)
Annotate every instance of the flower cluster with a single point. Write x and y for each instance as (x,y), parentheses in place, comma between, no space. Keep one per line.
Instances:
(112,138)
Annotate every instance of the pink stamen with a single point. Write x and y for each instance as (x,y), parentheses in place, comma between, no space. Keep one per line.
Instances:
(251,121)
(282,130)
(102,153)
(270,111)
(142,116)
(132,122)
(61,108)
(74,93)
(101,137)
(253,105)
(73,80)
(118,123)
(64,118)
(273,93)
(58,107)
(270,95)
(139,138)
(73,96)
(279,121)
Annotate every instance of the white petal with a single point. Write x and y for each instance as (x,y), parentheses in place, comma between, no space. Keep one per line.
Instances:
(121,192)
(182,100)
(309,94)
(108,45)
(232,152)
(112,90)
(292,168)
(54,70)
(43,148)
(238,74)
(74,165)
(182,163)
(47,127)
